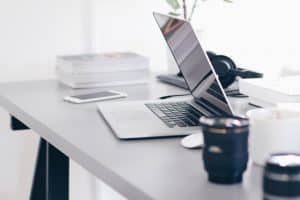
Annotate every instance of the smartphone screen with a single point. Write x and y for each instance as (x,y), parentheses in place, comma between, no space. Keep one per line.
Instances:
(95,95)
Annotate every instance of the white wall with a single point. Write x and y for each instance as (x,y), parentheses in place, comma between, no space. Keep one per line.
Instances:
(258,34)
(33,31)
(261,34)
(129,25)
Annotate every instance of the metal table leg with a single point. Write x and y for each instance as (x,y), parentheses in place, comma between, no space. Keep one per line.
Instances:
(15,124)
(38,188)
(51,176)
(57,174)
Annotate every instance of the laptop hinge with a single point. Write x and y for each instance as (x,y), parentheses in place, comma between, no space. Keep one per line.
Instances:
(212,110)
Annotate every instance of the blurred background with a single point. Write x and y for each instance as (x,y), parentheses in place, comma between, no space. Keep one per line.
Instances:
(258,34)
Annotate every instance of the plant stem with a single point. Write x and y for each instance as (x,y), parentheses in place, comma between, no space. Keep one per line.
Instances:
(193,9)
(184,10)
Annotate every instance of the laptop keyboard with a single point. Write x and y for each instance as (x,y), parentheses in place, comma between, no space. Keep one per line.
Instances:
(176,114)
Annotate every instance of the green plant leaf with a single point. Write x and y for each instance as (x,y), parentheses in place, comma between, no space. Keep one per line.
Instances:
(174,4)
(228,1)
(174,14)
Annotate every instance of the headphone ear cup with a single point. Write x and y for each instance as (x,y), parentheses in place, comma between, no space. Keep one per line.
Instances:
(223,65)
(211,55)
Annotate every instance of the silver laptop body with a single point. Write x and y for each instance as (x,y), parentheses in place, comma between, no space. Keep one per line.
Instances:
(144,119)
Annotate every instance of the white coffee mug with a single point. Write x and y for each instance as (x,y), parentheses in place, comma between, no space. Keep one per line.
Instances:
(273,130)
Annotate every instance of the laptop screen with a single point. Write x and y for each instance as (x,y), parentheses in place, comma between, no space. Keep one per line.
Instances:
(194,64)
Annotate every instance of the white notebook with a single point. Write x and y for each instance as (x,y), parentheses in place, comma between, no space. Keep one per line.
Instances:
(271,92)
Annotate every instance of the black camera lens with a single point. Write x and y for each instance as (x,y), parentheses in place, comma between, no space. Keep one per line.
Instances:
(225,152)
(282,177)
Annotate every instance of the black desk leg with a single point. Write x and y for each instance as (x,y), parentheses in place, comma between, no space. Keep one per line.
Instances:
(51,178)
(38,189)
(57,174)
(16,124)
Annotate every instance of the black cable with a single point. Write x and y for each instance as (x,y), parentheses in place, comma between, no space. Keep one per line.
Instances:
(234,90)
(235,93)
(174,95)
(229,93)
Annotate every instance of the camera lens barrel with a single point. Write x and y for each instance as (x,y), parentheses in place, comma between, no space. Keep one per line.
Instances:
(281,180)
(225,152)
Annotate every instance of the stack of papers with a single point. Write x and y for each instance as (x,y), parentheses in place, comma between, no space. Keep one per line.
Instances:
(268,93)
(102,70)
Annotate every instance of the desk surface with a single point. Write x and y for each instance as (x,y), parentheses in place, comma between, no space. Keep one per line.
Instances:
(139,169)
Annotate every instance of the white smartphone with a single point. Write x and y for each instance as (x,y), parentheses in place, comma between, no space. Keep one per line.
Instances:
(97,96)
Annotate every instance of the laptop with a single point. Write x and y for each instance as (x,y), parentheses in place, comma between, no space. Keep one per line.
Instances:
(163,118)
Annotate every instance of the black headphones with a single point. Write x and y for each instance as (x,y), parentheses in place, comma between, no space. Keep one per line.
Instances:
(227,70)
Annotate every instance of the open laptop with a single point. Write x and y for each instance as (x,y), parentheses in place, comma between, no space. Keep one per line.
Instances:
(161,118)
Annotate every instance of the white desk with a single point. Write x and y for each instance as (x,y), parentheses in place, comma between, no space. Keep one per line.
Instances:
(139,169)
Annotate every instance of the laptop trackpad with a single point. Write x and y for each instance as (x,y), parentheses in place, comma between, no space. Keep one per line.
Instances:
(128,116)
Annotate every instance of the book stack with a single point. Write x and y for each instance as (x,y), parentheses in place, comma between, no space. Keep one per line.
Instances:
(102,70)
(269,93)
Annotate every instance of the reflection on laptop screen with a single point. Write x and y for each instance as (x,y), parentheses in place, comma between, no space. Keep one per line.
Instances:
(194,64)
